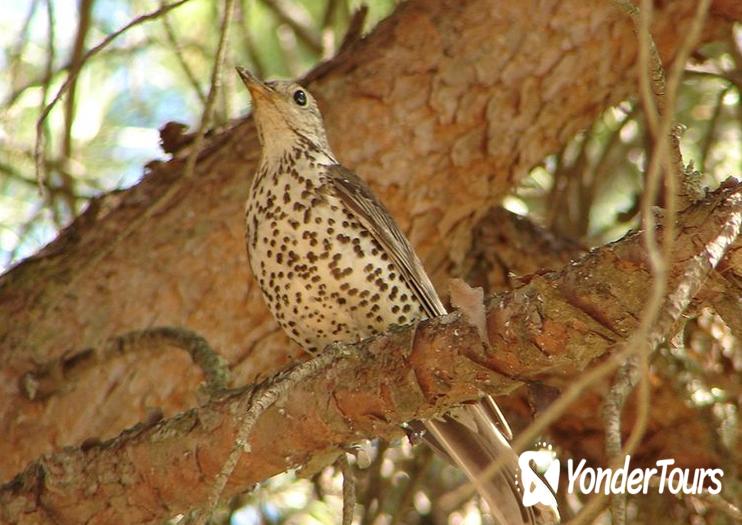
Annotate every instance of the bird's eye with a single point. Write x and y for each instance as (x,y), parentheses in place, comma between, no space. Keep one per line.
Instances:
(300,97)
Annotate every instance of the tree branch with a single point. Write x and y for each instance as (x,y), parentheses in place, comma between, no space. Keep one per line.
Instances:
(549,329)
(52,377)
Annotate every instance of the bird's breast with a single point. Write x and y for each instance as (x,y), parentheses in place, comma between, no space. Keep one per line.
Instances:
(323,275)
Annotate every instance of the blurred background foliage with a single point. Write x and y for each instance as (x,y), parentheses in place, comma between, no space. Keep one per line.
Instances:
(106,129)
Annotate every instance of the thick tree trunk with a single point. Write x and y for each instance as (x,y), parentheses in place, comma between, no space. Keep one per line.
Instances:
(473,92)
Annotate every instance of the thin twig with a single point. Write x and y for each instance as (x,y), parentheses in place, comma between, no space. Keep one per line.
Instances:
(49,66)
(301,25)
(611,141)
(687,191)
(260,401)
(48,379)
(623,384)
(71,77)
(329,16)
(248,45)
(46,81)
(214,87)
(67,182)
(177,51)
(659,262)
(649,62)
(349,489)
(567,174)
(355,28)
(708,140)
(717,502)
(636,366)
(657,92)
(326,29)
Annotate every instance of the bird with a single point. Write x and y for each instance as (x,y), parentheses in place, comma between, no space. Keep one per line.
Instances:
(334,266)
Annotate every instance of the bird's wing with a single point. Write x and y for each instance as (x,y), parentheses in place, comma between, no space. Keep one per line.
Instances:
(357,196)
(473,435)
(372,214)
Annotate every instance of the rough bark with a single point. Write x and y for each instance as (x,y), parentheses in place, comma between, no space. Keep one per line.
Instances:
(475,92)
(546,330)
(507,250)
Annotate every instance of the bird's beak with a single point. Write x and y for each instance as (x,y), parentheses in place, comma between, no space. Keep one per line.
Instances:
(257,89)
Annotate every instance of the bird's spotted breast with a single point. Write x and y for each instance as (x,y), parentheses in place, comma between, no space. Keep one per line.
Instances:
(323,275)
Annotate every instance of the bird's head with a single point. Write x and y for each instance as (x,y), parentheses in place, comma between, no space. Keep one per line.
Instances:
(283,109)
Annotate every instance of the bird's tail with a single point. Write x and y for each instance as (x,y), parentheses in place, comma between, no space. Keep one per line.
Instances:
(472,437)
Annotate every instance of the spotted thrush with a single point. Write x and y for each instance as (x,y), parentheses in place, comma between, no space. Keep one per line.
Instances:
(334,267)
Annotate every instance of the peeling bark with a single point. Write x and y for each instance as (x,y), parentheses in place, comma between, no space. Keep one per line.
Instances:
(546,330)
(507,248)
